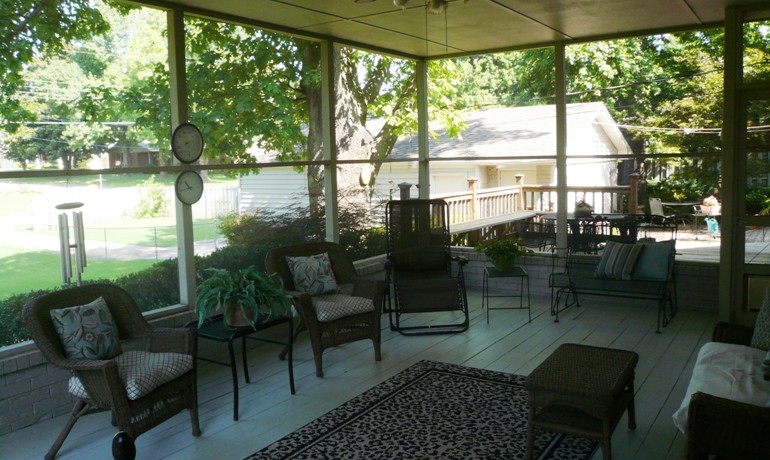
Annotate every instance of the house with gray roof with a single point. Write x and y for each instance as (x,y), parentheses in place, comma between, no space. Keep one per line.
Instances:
(497,145)
(501,143)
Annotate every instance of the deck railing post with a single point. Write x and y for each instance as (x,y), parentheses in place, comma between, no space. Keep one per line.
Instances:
(520,183)
(633,195)
(472,181)
(405,190)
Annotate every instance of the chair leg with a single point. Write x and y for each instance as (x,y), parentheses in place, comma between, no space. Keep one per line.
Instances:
(196,427)
(123,447)
(377,350)
(319,367)
(78,410)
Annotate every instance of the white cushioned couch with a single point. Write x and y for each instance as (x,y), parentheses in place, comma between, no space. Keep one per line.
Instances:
(726,409)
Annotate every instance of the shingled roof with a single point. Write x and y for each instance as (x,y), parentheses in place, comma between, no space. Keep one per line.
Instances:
(520,131)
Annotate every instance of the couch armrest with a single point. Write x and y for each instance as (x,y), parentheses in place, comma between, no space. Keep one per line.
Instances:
(720,426)
(732,333)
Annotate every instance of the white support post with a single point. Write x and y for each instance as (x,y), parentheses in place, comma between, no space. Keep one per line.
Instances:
(423,169)
(561,146)
(329,111)
(179,115)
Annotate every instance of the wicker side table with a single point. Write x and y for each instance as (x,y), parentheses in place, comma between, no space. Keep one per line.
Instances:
(582,391)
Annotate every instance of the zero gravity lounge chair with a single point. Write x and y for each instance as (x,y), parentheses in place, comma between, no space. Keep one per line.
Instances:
(420,269)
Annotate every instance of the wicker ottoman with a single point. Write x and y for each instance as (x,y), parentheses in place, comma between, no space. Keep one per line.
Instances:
(582,391)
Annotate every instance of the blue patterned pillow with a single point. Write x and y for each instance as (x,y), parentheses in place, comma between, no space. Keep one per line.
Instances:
(312,274)
(87,331)
(618,260)
(761,336)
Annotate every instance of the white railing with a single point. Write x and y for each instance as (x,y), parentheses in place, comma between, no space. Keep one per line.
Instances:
(493,202)
(481,204)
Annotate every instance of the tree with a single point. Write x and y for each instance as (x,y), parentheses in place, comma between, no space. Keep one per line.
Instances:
(250,87)
(30,28)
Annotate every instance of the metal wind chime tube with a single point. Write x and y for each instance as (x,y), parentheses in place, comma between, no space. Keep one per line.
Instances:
(65,248)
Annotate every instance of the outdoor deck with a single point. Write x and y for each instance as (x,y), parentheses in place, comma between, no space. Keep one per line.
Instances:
(268,411)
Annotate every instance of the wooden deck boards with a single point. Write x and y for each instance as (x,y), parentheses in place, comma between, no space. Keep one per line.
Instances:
(268,411)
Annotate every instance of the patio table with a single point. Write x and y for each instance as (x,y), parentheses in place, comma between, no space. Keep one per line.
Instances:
(215,329)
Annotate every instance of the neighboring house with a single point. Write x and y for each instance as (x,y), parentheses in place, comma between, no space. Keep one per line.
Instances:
(523,132)
(132,155)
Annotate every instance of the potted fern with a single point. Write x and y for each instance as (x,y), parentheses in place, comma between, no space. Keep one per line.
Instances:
(503,252)
(244,297)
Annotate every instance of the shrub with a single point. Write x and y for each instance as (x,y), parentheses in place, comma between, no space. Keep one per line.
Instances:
(676,189)
(233,257)
(757,199)
(153,201)
(154,287)
(268,229)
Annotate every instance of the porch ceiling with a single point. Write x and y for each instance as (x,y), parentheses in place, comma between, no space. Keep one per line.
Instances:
(469,26)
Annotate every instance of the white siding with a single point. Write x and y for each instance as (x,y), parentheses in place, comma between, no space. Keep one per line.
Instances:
(273,188)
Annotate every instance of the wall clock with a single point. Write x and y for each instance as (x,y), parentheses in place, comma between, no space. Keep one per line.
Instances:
(187,143)
(189,187)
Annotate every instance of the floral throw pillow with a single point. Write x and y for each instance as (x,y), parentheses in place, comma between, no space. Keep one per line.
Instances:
(87,331)
(312,274)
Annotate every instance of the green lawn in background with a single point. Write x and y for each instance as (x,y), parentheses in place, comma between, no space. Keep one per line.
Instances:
(159,232)
(23,272)
(115,180)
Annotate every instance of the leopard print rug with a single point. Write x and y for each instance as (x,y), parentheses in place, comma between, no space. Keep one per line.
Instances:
(431,411)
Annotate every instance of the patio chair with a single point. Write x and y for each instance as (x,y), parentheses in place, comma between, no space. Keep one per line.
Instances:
(659,221)
(144,376)
(419,266)
(560,283)
(344,311)
(535,234)
(587,234)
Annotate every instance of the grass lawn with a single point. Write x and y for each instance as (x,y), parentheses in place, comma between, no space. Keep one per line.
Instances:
(23,272)
(113,180)
(160,232)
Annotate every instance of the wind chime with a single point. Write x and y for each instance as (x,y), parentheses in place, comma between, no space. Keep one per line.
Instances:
(65,247)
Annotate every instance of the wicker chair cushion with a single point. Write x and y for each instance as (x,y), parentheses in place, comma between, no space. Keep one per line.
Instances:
(142,371)
(335,306)
(618,260)
(761,336)
(728,371)
(87,331)
(312,274)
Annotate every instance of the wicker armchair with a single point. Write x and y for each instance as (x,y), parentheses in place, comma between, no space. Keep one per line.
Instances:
(100,378)
(330,333)
(726,428)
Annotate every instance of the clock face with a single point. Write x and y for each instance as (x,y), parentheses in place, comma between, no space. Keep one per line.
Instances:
(189,187)
(187,143)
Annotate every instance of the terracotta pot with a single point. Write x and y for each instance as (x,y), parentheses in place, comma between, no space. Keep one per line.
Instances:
(234,317)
